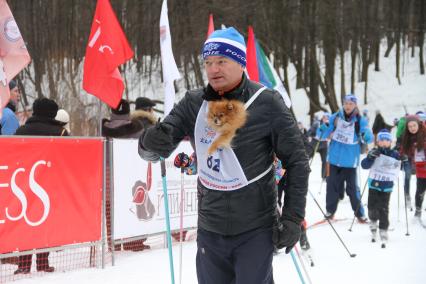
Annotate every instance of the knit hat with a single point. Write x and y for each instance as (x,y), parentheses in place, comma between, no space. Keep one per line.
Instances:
(226,42)
(122,108)
(421,115)
(45,107)
(412,118)
(143,103)
(383,135)
(62,116)
(350,98)
(12,84)
(326,114)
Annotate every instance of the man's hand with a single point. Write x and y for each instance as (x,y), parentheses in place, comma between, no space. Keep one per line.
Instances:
(286,233)
(158,139)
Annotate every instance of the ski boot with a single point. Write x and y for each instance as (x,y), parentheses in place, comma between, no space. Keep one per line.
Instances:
(384,237)
(418,213)
(362,220)
(373,229)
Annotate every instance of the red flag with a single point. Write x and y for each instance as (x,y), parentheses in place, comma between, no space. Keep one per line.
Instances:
(211,25)
(107,49)
(13,53)
(251,65)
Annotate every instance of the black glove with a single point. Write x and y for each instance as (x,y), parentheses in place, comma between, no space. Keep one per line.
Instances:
(286,233)
(373,154)
(158,139)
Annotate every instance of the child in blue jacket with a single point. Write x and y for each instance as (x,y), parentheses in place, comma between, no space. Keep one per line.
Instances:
(384,164)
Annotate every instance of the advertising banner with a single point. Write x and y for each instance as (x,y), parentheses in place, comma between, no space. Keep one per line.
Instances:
(50,192)
(138,192)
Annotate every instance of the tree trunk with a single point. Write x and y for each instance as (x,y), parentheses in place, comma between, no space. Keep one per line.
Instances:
(421,35)
(354,49)
(398,41)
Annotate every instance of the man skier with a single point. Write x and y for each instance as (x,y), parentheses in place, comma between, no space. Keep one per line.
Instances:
(238,224)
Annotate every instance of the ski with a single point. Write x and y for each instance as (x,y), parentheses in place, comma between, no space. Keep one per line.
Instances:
(324,221)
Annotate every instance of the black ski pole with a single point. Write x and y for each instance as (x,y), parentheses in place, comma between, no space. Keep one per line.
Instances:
(359,205)
(337,234)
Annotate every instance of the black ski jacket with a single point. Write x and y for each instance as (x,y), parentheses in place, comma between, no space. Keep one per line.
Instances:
(270,129)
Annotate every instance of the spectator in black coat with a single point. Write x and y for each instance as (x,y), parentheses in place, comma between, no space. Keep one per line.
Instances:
(120,125)
(41,123)
(144,112)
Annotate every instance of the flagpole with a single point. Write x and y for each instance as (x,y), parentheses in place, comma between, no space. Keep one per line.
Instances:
(99,118)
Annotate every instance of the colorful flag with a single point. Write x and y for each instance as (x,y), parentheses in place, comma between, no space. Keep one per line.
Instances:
(14,55)
(260,69)
(107,49)
(251,66)
(170,70)
(211,26)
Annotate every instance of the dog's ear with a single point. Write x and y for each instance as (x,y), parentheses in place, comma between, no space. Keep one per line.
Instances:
(230,106)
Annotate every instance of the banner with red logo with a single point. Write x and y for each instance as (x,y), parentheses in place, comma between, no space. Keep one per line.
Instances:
(138,192)
(50,192)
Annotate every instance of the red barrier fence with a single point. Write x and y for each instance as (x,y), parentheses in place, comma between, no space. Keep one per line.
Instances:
(50,196)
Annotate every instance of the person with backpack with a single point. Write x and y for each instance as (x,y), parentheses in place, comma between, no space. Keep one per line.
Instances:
(347,130)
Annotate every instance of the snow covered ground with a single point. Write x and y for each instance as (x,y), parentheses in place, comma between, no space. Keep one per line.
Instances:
(401,262)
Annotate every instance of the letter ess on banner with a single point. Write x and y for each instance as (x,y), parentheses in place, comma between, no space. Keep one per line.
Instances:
(50,192)
(138,193)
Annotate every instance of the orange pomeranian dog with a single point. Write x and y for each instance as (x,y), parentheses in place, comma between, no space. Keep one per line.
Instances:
(225,117)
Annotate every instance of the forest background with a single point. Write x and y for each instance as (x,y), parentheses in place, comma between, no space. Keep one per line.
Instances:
(322,39)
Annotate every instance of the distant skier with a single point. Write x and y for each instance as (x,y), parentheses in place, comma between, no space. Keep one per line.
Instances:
(323,142)
(414,145)
(347,130)
(384,165)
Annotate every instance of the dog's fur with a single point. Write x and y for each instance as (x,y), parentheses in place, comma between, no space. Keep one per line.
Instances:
(225,117)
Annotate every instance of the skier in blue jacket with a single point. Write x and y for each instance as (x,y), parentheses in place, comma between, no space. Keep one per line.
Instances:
(347,130)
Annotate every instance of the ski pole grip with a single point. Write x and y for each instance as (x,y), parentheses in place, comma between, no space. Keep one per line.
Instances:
(181,160)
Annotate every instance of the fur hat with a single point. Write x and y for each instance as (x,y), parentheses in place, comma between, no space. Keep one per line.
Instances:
(122,108)
(45,107)
(226,42)
(384,134)
(12,84)
(143,103)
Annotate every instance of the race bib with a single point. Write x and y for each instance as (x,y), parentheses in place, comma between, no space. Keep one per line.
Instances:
(344,132)
(419,156)
(385,168)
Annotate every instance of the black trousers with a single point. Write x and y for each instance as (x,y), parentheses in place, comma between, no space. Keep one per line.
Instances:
(335,186)
(42,260)
(378,207)
(420,192)
(240,259)
(323,153)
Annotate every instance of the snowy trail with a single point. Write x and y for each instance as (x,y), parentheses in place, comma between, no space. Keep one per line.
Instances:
(401,262)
